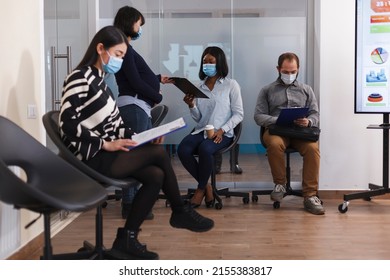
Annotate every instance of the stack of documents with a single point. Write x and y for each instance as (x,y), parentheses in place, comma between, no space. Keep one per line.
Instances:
(149,135)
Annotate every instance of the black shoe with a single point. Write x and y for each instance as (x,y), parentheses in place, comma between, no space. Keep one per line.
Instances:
(191,220)
(127,246)
(236,169)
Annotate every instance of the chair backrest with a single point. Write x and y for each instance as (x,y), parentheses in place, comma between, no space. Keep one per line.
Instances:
(51,183)
(50,121)
(158,114)
(236,137)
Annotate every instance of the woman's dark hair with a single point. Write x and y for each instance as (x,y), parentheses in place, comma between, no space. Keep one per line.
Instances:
(125,19)
(221,65)
(288,56)
(109,36)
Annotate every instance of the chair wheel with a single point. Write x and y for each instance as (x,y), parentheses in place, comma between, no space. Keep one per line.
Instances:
(343,208)
(276,205)
(104,205)
(245,200)
(167,204)
(218,206)
(255,198)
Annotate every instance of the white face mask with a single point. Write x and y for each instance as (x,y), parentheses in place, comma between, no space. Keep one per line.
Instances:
(288,78)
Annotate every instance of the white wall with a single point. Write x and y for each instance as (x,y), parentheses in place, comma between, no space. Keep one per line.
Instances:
(22,75)
(351,155)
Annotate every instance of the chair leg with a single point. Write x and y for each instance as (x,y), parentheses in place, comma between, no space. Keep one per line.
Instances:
(218,163)
(225,192)
(47,249)
(88,251)
(218,204)
(289,189)
(234,167)
(288,171)
(99,233)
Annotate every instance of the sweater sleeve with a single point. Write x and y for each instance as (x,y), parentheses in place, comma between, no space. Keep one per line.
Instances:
(134,78)
(81,140)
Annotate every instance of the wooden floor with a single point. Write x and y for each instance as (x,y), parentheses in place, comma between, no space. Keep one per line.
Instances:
(255,230)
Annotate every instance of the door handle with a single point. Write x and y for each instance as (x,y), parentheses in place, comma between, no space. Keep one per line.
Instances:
(55,96)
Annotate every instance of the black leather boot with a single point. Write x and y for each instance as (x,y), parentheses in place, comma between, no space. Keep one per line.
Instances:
(188,218)
(127,246)
(234,167)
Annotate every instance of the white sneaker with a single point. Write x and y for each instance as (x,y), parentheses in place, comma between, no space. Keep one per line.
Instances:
(278,193)
(313,205)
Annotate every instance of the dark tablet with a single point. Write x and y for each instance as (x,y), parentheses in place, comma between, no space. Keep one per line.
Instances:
(187,87)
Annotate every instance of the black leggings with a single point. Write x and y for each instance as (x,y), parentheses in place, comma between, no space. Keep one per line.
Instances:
(151,166)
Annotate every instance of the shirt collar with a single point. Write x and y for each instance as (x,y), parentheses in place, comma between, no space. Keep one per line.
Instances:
(219,80)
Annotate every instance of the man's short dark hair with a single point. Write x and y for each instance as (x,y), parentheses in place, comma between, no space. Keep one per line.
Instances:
(288,56)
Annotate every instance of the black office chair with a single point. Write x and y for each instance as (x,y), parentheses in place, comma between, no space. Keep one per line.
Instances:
(224,191)
(51,184)
(158,114)
(289,190)
(50,121)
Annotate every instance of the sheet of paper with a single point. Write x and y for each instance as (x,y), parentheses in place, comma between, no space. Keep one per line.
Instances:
(153,133)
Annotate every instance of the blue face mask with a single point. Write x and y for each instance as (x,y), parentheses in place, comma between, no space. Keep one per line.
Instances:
(113,65)
(210,70)
(288,78)
(138,35)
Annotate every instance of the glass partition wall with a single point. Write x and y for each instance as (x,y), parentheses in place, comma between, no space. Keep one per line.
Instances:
(252,33)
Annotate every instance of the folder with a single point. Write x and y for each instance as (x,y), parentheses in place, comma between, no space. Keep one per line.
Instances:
(187,87)
(288,115)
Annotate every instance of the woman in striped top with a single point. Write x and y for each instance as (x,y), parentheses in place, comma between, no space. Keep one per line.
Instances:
(93,130)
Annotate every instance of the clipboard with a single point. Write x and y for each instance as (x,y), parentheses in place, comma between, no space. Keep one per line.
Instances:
(187,87)
(288,115)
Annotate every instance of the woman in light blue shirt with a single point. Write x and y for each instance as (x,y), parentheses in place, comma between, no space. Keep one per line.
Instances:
(223,109)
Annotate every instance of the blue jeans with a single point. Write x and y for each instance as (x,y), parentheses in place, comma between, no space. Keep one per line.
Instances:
(135,118)
(193,145)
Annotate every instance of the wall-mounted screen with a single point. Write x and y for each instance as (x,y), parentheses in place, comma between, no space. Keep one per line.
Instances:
(372,65)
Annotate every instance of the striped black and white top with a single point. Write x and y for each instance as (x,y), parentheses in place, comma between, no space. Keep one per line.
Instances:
(88,113)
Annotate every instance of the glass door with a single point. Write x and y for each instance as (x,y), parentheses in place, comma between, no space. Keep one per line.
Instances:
(66,39)
(66,28)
